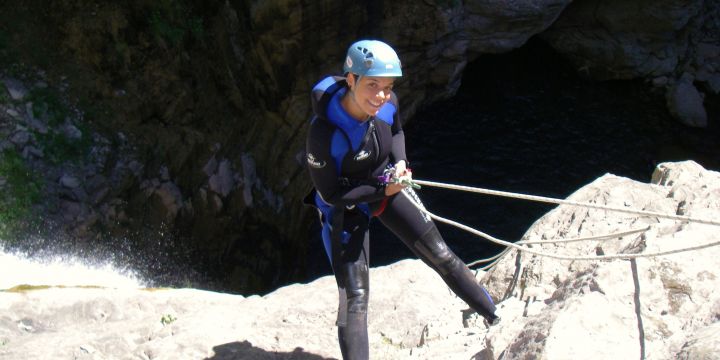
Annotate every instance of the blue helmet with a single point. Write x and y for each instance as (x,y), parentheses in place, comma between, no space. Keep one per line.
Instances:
(372,58)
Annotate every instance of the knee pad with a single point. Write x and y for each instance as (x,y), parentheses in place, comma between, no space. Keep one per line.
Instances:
(357,301)
(433,249)
(357,288)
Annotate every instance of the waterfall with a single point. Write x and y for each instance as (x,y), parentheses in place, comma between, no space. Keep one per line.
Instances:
(17,269)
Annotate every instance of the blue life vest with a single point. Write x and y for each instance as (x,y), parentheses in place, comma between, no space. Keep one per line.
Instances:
(347,136)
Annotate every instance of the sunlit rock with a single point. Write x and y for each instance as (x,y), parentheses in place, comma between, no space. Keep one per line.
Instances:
(664,307)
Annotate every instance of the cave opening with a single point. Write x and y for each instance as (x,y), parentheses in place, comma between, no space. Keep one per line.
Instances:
(526,121)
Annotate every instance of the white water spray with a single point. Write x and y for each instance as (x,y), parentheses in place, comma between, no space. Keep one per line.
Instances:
(16,269)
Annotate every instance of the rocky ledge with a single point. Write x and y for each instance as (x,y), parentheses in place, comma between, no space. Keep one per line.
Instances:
(665,307)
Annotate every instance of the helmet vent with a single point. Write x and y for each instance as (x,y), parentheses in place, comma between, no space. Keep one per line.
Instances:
(368,54)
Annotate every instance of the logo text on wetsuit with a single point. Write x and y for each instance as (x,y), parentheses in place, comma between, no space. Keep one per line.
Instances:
(362,155)
(314,162)
(414,196)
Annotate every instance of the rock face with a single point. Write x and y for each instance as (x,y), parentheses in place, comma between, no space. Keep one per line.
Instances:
(667,41)
(193,116)
(664,307)
(206,106)
(686,102)
(659,307)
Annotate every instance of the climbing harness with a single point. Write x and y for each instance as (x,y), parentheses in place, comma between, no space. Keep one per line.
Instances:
(522,245)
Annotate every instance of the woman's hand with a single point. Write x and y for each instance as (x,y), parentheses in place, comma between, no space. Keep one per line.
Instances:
(400,168)
(401,171)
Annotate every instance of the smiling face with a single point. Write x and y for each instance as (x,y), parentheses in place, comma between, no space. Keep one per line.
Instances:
(367,96)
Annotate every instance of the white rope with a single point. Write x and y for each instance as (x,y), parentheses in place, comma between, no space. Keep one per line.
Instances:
(563,202)
(492,258)
(491,265)
(597,237)
(529,242)
(551,255)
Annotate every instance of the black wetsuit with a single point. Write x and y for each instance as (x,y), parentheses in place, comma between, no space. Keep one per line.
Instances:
(345,157)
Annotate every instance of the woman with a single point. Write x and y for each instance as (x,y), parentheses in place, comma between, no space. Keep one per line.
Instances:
(355,136)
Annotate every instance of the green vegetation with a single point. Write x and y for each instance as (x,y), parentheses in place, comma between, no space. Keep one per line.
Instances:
(122,50)
(167,319)
(4,41)
(195,25)
(57,147)
(388,341)
(94,111)
(165,28)
(47,101)
(172,21)
(19,190)
(5,49)
(4,97)
(13,68)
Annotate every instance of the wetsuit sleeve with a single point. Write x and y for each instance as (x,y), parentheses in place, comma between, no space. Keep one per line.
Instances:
(398,144)
(323,173)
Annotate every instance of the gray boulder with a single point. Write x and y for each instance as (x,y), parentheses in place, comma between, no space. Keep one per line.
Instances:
(686,103)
